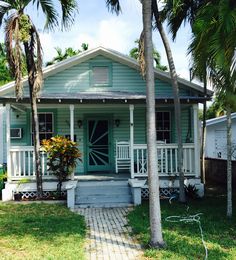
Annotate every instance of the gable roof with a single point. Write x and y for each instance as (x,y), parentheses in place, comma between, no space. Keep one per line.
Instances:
(218,120)
(112,54)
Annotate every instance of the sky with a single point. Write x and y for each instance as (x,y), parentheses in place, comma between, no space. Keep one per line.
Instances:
(98,27)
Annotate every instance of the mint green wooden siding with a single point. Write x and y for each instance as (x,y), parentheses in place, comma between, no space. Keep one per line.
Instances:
(77,78)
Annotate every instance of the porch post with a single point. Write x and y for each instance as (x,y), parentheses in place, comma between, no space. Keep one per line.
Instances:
(8,139)
(196,140)
(72,130)
(131,116)
(72,122)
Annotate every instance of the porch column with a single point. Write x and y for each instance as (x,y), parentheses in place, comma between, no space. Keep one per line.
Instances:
(72,107)
(196,140)
(72,122)
(8,139)
(131,116)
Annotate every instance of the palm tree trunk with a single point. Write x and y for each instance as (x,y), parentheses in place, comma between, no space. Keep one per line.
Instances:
(203,136)
(175,87)
(34,113)
(153,178)
(229,163)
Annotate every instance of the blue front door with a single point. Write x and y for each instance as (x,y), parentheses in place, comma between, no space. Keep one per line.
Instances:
(98,145)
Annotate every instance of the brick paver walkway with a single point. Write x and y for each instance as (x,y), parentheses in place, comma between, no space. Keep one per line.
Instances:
(108,236)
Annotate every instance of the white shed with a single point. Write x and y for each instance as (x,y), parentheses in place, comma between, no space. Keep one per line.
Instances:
(216,137)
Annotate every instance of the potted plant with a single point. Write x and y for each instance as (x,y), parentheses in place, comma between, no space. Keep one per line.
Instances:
(63,156)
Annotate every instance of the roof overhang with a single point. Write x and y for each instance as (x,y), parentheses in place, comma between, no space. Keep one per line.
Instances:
(218,120)
(103,97)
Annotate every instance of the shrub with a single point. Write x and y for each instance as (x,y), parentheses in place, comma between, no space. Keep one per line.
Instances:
(191,191)
(63,156)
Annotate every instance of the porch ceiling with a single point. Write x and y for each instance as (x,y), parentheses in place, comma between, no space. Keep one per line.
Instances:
(102,97)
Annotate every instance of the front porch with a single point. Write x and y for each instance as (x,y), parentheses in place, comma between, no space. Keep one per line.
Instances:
(22,162)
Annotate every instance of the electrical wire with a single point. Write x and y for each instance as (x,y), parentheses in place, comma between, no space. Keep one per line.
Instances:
(191,219)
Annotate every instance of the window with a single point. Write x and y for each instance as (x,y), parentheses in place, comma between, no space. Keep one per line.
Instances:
(101,76)
(163,126)
(45,125)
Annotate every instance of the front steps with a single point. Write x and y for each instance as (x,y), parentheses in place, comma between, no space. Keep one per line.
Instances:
(105,193)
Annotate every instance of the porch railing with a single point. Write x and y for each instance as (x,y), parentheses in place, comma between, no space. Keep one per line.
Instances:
(22,161)
(167,159)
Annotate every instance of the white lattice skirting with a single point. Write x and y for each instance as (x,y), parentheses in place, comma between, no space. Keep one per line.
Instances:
(164,192)
(28,195)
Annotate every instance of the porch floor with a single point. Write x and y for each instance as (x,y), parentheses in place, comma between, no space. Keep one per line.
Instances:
(102,176)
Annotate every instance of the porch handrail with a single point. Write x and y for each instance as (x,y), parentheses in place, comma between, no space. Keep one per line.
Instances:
(22,159)
(167,159)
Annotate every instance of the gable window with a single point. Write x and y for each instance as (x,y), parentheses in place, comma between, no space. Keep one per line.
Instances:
(163,126)
(101,76)
(46,127)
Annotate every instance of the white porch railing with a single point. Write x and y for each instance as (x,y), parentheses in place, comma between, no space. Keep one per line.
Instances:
(167,159)
(22,161)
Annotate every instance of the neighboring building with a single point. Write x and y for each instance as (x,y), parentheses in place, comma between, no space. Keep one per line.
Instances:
(216,137)
(98,99)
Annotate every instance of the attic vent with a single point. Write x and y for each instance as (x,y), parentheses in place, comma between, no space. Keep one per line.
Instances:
(100,76)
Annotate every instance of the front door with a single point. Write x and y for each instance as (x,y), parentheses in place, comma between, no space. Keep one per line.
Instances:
(98,145)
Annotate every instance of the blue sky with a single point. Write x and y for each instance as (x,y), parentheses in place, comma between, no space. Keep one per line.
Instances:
(96,26)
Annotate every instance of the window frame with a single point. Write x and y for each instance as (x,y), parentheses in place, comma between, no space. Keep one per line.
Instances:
(53,128)
(163,130)
(101,65)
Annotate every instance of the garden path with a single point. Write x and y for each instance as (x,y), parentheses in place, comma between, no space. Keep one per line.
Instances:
(108,236)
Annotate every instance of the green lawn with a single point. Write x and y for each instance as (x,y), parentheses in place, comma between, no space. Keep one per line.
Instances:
(40,231)
(183,240)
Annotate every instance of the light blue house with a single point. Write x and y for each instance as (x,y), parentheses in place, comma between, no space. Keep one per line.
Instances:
(98,99)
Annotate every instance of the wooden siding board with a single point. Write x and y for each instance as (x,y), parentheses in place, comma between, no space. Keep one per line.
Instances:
(124,78)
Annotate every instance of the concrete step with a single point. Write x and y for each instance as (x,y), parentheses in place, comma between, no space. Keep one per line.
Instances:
(103,199)
(100,190)
(103,193)
(102,183)
(104,205)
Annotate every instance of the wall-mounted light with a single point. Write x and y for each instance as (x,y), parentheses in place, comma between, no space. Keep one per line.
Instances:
(79,123)
(117,122)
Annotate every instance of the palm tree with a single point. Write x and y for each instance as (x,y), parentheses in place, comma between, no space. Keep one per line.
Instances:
(21,32)
(68,52)
(154,199)
(134,53)
(177,13)
(154,205)
(215,25)
(175,88)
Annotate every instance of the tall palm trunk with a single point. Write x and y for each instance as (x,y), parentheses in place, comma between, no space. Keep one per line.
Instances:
(175,88)
(35,124)
(229,163)
(203,174)
(153,178)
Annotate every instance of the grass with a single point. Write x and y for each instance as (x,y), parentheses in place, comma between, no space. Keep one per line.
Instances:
(183,240)
(40,231)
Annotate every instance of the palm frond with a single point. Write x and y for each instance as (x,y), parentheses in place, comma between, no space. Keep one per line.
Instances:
(49,11)
(14,52)
(36,48)
(141,55)
(69,9)
(114,6)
